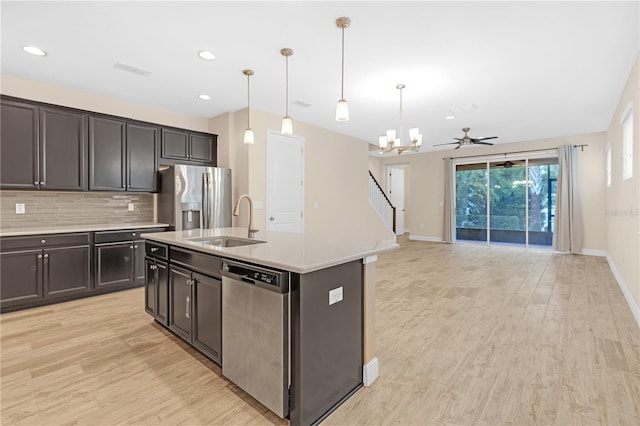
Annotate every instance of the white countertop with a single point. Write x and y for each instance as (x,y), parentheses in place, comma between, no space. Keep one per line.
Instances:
(38,230)
(293,252)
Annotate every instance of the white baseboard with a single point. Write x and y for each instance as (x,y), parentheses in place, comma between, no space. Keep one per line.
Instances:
(635,310)
(370,372)
(593,252)
(421,238)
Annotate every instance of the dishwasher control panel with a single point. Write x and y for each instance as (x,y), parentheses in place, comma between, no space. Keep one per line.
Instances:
(275,280)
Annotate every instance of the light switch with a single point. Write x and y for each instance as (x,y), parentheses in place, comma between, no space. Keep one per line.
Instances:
(20,209)
(335,295)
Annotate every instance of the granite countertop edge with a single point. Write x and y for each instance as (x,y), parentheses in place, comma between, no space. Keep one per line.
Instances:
(39,230)
(298,253)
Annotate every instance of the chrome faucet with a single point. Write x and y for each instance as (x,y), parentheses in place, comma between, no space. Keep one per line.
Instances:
(236,212)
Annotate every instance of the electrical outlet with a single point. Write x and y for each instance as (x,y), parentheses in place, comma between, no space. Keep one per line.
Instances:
(335,295)
(132,207)
(20,209)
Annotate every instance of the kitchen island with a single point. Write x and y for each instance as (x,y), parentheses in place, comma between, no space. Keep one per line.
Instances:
(230,294)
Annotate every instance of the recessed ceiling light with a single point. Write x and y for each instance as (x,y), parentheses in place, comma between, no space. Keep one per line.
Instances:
(34,50)
(450,117)
(206,55)
(205,97)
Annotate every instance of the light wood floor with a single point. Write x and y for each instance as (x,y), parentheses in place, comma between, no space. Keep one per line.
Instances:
(466,334)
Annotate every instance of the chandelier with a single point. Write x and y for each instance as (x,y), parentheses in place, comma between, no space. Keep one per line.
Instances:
(392,143)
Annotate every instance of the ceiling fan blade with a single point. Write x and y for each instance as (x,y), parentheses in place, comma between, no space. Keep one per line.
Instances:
(458,139)
(481,143)
(457,147)
(448,143)
(483,139)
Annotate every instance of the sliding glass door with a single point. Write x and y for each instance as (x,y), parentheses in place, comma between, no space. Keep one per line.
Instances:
(506,201)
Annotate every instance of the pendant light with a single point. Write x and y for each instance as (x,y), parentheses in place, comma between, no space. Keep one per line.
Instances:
(287,124)
(248,133)
(342,108)
(392,142)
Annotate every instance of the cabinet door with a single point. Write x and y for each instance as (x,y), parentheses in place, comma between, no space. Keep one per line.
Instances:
(20,274)
(201,148)
(64,150)
(175,144)
(180,302)
(114,264)
(162,292)
(19,146)
(207,316)
(138,262)
(142,158)
(107,165)
(66,270)
(150,287)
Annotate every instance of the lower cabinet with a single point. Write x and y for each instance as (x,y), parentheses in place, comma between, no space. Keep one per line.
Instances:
(156,294)
(30,276)
(195,310)
(120,264)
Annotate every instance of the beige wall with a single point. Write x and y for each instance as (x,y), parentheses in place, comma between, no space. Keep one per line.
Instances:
(623,197)
(72,98)
(427,182)
(336,175)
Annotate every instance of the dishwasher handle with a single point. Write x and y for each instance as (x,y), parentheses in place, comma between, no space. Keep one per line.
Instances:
(238,277)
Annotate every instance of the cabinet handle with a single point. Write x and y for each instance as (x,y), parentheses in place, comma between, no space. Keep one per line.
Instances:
(35,183)
(133,234)
(135,246)
(42,183)
(39,256)
(154,249)
(46,258)
(131,247)
(43,241)
(188,307)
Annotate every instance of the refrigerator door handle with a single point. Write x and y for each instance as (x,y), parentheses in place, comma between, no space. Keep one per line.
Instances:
(206,193)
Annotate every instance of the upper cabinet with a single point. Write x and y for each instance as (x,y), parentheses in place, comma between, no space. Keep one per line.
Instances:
(46,147)
(42,147)
(123,156)
(188,147)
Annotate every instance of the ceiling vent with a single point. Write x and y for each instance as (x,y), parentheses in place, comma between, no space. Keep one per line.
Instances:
(132,69)
(302,104)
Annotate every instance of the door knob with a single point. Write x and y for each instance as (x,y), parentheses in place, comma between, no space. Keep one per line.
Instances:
(272,218)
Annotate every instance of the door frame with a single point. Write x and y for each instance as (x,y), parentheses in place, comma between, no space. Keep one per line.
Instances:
(272,132)
(387,183)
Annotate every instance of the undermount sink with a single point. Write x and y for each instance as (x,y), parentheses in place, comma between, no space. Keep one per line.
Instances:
(225,241)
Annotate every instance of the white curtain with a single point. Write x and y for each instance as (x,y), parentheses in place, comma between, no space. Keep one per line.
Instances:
(567,235)
(449,235)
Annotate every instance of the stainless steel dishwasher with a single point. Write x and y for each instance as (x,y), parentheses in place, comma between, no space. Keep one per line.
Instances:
(255,333)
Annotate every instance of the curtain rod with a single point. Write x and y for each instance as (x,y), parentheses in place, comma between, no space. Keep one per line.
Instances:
(513,152)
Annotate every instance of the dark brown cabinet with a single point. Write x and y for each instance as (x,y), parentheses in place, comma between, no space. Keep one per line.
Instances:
(120,263)
(40,268)
(188,147)
(122,156)
(42,147)
(157,282)
(195,302)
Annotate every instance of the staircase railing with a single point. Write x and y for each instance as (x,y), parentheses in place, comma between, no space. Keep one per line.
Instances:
(381,203)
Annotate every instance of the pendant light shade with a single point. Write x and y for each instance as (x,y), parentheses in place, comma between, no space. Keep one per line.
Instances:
(287,124)
(248,133)
(342,108)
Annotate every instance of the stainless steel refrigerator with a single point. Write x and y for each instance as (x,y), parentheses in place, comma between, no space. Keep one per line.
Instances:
(193,197)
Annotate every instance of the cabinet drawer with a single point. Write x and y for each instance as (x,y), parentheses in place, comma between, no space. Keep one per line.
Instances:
(156,249)
(129,235)
(46,240)
(204,263)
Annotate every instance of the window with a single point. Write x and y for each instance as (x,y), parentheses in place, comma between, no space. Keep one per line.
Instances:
(608,154)
(627,144)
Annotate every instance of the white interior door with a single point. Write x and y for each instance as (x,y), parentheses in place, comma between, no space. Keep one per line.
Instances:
(395,189)
(285,184)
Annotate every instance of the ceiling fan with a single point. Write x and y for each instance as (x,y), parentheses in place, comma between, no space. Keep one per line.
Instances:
(466,140)
(508,164)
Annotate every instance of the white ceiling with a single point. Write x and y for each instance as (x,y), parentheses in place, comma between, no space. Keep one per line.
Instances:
(533,69)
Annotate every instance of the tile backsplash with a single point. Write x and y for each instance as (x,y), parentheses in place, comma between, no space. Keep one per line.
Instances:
(49,208)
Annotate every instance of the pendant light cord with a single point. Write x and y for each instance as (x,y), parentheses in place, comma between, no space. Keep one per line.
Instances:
(286,96)
(342,75)
(401,129)
(248,103)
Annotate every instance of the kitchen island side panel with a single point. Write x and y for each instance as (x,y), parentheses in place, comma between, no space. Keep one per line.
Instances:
(326,340)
